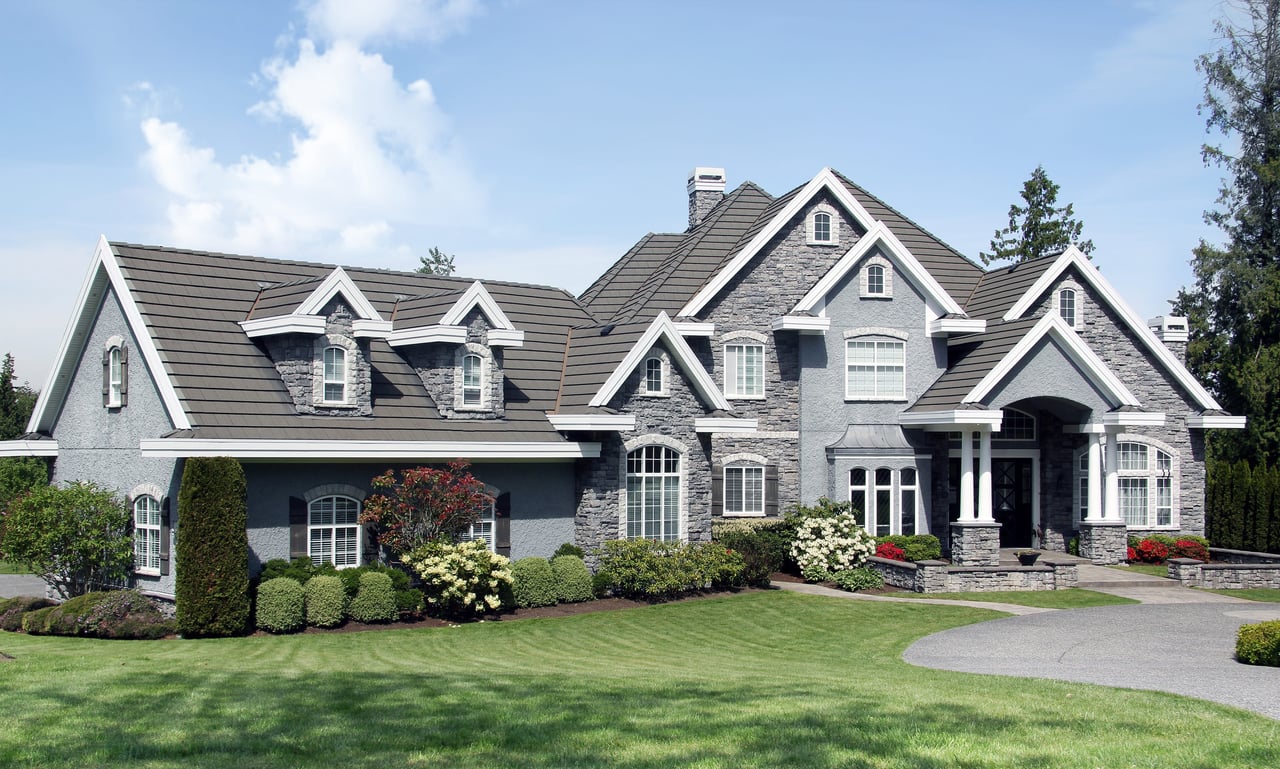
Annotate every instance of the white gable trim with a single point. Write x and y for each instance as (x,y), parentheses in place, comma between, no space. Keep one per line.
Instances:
(1215,422)
(103,273)
(903,259)
(825,180)
(663,329)
(1075,347)
(283,324)
(336,450)
(338,282)
(607,422)
(26,448)
(427,334)
(473,296)
(726,425)
(1093,276)
(946,420)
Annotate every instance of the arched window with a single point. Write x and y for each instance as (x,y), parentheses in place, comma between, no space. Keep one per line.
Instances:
(744,368)
(1067,306)
(115,373)
(146,534)
(472,380)
(875,280)
(1147,493)
(655,380)
(333,531)
(823,226)
(653,493)
(335,375)
(1016,425)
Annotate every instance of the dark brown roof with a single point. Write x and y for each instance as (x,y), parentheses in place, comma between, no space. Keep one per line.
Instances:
(1002,287)
(971,358)
(591,354)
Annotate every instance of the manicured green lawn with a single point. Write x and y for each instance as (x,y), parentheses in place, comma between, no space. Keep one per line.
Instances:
(12,568)
(1075,598)
(1150,569)
(768,679)
(1253,594)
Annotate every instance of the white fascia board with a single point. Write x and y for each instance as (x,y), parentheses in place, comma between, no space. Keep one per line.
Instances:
(21,448)
(370,329)
(1216,422)
(1133,418)
(1076,349)
(283,324)
(693,328)
(1094,277)
(825,180)
(949,326)
(103,273)
(426,335)
(338,282)
(724,425)
(662,328)
(955,417)
(505,337)
(905,261)
(341,450)
(606,422)
(476,294)
(802,323)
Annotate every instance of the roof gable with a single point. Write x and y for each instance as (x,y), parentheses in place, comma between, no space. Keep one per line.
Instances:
(306,317)
(662,329)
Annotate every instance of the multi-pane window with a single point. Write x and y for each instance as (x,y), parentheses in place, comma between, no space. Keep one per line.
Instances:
(875,280)
(1144,486)
(653,384)
(146,533)
(333,531)
(335,375)
(822,227)
(483,528)
(876,370)
(1082,486)
(885,501)
(744,370)
(1016,426)
(116,378)
(1067,306)
(653,493)
(472,380)
(744,490)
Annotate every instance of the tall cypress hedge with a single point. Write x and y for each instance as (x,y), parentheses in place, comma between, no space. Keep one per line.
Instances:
(1242,506)
(213,549)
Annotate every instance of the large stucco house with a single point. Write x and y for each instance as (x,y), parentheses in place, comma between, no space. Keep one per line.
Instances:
(780,349)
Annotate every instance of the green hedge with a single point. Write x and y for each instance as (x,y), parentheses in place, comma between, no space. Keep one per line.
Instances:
(13,609)
(1259,644)
(326,601)
(764,546)
(212,582)
(281,606)
(533,583)
(861,578)
(915,547)
(641,568)
(300,569)
(375,600)
(1242,506)
(573,579)
(37,622)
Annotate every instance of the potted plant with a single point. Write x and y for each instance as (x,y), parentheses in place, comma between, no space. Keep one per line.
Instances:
(1027,557)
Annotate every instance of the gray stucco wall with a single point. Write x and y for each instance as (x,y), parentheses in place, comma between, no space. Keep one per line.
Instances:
(1046,371)
(100,444)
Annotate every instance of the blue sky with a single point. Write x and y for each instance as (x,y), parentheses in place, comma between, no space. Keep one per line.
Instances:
(537,141)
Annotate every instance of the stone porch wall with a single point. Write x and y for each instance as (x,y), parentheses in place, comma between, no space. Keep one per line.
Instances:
(1224,576)
(941,577)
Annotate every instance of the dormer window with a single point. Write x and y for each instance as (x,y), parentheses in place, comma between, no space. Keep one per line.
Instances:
(335,375)
(1067,306)
(477,381)
(472,380)
(115,373)
(875,280)
(823,227)
(654,379)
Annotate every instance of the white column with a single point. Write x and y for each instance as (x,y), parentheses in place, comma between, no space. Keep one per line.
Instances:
(966,473)
(984,474)
(1094,499)
(1111,507)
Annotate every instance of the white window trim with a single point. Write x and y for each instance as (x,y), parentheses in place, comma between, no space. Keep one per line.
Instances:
(875,335)
(322,344)
(333,527)
(1175,481)
(115,372)
(488,515)
(864,291)
(664,372)
(744,339)
(653,439)
(896,488)
(486,378)
(154,492)
(1077,302)
(478,387)
(743,466)
(810,220)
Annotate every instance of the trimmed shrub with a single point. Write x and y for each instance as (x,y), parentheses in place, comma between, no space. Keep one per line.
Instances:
(915,547)
(1151,550)
(125,614)
(463,579)
(832,545)
(764,546)
(37,622)
(13,609)
(716,566)
(533,583)
(375,601)
(568,548)
(1185,547)
(890,551)
(67,618)
(573,579)
(862,578)
(326,601)
(281,606)
(642,568)
(1259,644)
(600,584)
(300,569)
(1073,546)
(212,584)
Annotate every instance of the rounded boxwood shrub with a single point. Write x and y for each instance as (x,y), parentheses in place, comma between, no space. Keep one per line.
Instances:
(326,601)
(861,578)
(1259,644)
(573,579)
(300,569)
(533,583)
(375,600)
(212,581)
(126,614)
(568,548)
(281,606)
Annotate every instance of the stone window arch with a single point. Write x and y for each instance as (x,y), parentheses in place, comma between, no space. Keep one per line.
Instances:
(335,358)
(654,498)
(822,226)
(875,279)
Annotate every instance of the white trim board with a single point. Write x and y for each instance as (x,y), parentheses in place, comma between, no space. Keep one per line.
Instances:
(663,329)
(339,450)
(338,282)
(24,448)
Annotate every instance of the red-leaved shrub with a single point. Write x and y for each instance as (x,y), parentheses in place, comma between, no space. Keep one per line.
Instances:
(890,551)
(1131,555)
(1190,548)
(1151,551)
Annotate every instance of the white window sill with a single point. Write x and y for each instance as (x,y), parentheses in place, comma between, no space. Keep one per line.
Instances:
(890,399)
(811,242)
(745,397)
(335,405)
(654,395)
(881,297)
(473,408)
(744,515)
(114,405)
(147,572)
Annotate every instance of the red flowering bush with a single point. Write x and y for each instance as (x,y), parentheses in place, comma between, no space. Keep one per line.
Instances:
(422,505)
(890,551)
(1151,551)
(1131,555)
(1190,548)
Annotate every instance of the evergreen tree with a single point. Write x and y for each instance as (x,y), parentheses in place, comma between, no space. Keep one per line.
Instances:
(1234,306)
(436,262)
(14,412)
(18,475)
(1039,227)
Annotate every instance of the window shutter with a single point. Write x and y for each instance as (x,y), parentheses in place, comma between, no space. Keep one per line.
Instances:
(297,528)
(124,375)
(106,377)
(770,489)
(370,554)
(164,536)
(717,490)
(502,524)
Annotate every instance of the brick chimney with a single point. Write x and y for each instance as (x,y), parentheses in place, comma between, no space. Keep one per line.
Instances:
(1172,330)
(706,188)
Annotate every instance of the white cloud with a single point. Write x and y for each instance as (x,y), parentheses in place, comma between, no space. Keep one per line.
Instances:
(369,154)
(389,20)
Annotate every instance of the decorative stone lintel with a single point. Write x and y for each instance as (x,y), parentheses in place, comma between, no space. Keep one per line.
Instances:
(975,543)
(1104,542)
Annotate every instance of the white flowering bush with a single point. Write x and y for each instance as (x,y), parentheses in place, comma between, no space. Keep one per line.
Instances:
(462,579)
(827,546)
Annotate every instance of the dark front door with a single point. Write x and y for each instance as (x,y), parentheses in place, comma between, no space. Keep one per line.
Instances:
(1011,500)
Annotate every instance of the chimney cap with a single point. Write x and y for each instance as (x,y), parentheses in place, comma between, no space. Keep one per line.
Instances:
(706,179)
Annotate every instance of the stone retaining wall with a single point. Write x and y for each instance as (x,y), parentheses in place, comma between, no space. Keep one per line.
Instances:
(1224,576)
(942,577)
(1223,555)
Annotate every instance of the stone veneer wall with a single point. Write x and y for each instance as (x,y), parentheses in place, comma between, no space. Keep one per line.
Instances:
(975,544)
(295,358)
(1224,576)
(1057,481)
(940,577)
(1104,543)
(438,366)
